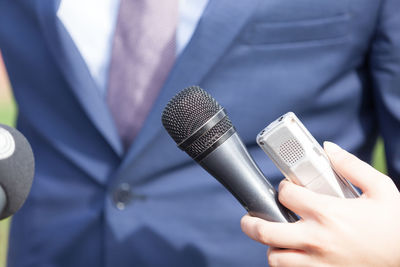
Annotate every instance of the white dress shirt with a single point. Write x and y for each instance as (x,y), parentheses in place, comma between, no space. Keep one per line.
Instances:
(91,24)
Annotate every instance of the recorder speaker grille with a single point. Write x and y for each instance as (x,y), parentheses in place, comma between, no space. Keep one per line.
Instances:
(291,151)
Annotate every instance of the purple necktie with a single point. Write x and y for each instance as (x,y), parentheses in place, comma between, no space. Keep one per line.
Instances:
(142,56)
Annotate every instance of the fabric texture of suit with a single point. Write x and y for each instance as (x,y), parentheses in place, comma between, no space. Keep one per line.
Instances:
(336,64)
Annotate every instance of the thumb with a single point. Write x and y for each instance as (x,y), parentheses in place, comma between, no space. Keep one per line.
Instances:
(355,170)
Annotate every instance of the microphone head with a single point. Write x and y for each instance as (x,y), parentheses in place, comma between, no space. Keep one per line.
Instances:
(17,169)
(195,121)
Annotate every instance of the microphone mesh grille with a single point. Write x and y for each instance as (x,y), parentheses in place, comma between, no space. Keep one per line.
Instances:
(188,111)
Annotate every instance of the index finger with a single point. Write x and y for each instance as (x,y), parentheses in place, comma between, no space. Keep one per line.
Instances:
(281,235)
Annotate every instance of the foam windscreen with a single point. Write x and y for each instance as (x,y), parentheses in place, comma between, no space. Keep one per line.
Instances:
(17,167)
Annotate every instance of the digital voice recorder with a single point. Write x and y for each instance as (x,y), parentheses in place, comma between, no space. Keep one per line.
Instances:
(300,157)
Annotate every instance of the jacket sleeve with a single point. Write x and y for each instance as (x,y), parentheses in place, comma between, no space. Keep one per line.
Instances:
(385,71)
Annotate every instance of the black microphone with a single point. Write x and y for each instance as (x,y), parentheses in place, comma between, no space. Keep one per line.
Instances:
(201,128)
(17,169)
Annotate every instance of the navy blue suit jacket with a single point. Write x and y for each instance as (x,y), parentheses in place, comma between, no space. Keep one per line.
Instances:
(336,64)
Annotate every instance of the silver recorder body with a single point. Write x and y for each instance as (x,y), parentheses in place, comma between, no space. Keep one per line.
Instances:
(300,157)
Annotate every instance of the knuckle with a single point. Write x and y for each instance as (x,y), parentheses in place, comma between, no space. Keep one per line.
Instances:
(272,258)
(260,233)
(324,213)
(243,223)
(324,209)
(317,243)
(285,191)
(320,212)
(313,245)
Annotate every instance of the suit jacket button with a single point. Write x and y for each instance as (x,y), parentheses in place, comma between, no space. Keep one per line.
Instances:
(122,196)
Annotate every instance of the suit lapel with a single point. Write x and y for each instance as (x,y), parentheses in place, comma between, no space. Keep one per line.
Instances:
(222,20)
(76,72)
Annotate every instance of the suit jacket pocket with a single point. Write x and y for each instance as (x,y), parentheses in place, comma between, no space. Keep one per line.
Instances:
(297,32)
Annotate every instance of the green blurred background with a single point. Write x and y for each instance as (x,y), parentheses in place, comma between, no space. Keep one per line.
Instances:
(8,112)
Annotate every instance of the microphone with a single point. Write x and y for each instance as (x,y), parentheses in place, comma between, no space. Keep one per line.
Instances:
(17,169)
(201,128)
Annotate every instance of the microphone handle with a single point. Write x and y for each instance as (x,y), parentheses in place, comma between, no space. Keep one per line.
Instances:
(232,165)
(3,199)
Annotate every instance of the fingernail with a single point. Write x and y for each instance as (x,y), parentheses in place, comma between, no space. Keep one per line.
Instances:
(331,147)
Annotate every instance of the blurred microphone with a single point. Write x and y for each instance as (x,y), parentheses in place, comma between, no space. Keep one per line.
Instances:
(17,168)
(201,128)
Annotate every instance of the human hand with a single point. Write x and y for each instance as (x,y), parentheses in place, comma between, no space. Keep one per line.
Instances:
(334,231)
